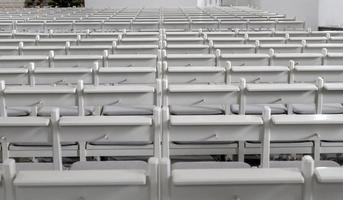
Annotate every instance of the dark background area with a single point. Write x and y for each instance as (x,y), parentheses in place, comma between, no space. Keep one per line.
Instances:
(54,3)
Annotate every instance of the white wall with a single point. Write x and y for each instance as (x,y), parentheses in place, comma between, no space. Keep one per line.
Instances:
(208,3)
(331,13)
(139,3)
(251,3)
(306,10)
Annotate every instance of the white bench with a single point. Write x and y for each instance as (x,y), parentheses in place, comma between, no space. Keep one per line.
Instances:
(189,59)
(257,59)
(290,25)
(88,184)
(234,48)
(298,58)
(23,61)
(279,96)
(116,26)
(257,74)
(226,183)
(332,58)
(305,128)
(186,48)
(194,74)
(327,183)
(279,48)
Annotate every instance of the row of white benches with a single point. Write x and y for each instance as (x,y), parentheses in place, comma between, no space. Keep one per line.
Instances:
(158,179)
(140,13)
(97,47)
(152,20)
(199,33)
(213,102)
(175,74)
(151,25)
(193,42)
(151,60)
